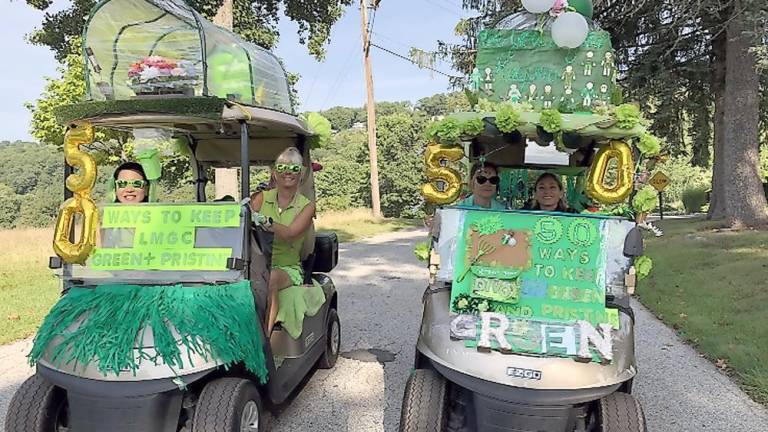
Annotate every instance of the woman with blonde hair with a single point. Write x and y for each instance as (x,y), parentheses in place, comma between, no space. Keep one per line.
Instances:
(291,214)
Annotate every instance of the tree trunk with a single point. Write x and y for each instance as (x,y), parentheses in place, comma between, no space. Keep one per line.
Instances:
(717,197)
(745,203)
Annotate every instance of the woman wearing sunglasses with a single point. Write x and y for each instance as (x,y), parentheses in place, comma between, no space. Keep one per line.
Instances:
(131,184)
(484,183)
(291,216)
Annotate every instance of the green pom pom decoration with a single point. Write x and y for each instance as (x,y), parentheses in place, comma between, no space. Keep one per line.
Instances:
(484,105)
(321,128)
(421,251)
(628,116)
(473,127)
(551,121)
(643,267)
(644,200)
(649,145)
(445,131)
(507,118)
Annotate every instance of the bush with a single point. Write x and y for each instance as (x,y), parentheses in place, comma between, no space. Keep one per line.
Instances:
(682,176)
(694,199)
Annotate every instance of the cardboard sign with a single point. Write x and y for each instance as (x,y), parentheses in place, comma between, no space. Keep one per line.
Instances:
(158,237)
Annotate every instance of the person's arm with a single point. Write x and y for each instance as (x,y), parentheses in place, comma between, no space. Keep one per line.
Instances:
(298,227)
(257,199)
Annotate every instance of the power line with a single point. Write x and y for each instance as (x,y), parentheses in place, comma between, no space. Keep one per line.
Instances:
(409,60)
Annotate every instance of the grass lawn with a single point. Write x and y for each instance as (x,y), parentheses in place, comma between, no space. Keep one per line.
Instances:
(28,289)
(712,287)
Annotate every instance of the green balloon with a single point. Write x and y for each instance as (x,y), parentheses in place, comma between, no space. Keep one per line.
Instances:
(229,73)
(583,7)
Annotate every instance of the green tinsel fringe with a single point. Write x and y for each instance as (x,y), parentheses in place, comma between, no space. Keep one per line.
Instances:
(218,321)
(205,107)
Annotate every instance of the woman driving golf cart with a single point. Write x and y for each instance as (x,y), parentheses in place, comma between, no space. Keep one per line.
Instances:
(290,217)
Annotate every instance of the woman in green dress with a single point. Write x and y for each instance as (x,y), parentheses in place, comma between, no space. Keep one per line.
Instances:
(291,214)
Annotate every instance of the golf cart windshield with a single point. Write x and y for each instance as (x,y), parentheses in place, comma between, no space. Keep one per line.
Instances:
(165,243)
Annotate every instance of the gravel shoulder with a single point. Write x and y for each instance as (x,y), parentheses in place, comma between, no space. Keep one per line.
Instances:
(380,284)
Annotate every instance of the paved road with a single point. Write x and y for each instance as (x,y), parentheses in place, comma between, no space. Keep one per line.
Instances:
(380,284)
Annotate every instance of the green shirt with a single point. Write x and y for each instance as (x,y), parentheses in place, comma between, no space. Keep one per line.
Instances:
(284,253)
(470,202)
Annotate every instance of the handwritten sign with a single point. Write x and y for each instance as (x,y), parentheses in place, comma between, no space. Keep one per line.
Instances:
(152,237)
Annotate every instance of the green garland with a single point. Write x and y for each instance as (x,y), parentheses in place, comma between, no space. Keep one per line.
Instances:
(628,116)
(551,121)
(204,107)
(645,200)
(473,127)
(217,321)
(507,118)
(649,145)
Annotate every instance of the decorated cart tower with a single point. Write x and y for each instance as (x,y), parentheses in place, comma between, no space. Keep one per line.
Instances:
(160,325)
(527,322)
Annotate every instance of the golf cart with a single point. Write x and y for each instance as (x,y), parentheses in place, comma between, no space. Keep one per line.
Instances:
(160,327)
(527,323)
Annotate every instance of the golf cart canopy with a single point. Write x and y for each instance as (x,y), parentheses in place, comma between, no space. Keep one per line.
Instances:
(151,48)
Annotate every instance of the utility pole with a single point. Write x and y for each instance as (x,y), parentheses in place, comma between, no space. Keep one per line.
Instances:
(226,178)
(375,199)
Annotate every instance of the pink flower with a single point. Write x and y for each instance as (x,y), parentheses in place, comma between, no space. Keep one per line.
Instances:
(558,8)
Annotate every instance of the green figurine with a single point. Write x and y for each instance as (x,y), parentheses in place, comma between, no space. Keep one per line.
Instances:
(589,63)
(548,98)
(569,75)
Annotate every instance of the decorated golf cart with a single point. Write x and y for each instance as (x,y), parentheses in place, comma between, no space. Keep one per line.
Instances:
(160,324)
(527,322)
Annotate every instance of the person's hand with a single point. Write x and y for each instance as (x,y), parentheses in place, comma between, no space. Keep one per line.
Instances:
(428,220)
(261,220)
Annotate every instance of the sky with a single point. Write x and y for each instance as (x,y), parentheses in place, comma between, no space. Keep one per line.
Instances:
(338,80)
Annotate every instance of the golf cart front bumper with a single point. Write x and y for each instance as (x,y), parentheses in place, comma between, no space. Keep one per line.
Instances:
(120,406)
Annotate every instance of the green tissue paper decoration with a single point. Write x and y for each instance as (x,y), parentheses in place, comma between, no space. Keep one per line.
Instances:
(628,116)
(422,251)
(216,321)
(445,131)
(645,200)
(473,127)
(489,225)
(507,118)
(649,145)
(551,121)
(643,267)
(321,128)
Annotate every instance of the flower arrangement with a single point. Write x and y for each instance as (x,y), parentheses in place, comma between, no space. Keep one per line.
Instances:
(156,75)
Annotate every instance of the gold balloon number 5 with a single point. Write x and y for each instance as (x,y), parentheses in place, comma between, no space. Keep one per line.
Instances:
(81,185)
(622,186)
(436,159)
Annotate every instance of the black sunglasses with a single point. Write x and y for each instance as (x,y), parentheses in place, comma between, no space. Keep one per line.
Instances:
(482,179)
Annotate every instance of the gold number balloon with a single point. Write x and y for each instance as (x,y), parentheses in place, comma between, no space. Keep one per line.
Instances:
(620,190)
(81,185)
(436,159)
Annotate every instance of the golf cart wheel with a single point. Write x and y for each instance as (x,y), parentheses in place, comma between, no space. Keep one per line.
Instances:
(424,402)
(229,405)
(621,412)
(332,341)
(37,406)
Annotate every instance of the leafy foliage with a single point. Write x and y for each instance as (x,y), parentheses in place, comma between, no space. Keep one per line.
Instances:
(694,199)
(507,118)
(551,120)
(473,127)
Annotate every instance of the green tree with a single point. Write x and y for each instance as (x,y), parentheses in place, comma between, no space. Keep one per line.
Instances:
(9,207)
(343,117)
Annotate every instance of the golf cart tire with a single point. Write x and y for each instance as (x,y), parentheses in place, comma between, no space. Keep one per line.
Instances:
(424,402)
(621,412)
(222,404)
(35,407)
(331,353)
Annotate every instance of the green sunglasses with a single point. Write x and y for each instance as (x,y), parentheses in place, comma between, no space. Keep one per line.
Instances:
(285,168)
(136,184)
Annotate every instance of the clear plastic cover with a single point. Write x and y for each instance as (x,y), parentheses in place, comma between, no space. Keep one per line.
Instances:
(155,48)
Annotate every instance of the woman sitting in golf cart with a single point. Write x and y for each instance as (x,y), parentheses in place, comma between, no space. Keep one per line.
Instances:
(131,184)
(548,195)
(291,217)
(484,183)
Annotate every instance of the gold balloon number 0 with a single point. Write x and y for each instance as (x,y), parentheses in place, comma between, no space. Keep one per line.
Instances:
(622,186)
(81,185)
(436,159)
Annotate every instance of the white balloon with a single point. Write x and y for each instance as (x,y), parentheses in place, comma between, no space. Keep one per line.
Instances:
(538,6)
(570,30)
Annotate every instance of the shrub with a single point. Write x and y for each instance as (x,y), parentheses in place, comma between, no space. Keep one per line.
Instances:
(694,199)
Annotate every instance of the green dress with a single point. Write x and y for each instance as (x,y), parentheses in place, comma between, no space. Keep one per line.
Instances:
(286,255)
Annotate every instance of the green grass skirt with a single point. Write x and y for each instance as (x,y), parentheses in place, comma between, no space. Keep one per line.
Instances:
(217,322)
